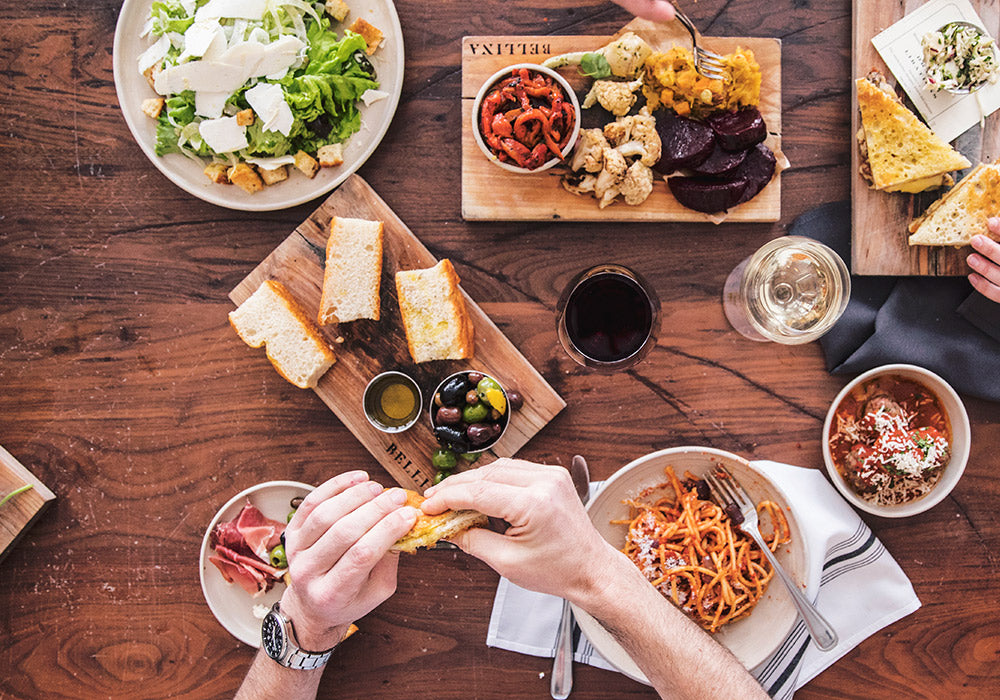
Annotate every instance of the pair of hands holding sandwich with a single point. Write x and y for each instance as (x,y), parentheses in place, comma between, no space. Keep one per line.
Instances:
(341,568)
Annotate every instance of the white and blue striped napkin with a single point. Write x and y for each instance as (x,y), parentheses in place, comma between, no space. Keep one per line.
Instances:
(861,590)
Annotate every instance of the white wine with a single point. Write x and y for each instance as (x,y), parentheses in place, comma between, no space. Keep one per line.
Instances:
(790,291)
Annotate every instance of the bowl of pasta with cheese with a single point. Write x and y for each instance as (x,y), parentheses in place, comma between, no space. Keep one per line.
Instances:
(896,440)
(712,571)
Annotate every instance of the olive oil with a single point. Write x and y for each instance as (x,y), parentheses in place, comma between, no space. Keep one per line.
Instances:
(392,402)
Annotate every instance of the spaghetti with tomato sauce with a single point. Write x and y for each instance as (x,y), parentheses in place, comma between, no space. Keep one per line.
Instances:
(688,548)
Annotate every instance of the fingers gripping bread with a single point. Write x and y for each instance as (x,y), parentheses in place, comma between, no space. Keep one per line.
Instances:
(429,529)
(437,323)
(272,317)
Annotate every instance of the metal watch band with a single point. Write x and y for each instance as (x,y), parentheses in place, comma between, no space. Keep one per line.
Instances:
(306,660)
(294,656)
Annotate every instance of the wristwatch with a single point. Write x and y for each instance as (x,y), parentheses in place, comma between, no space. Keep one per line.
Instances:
(277,636)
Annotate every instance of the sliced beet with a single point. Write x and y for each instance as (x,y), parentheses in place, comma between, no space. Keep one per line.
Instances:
(707,194)
(686,143)
(740,130)
(720,162)
(757,170)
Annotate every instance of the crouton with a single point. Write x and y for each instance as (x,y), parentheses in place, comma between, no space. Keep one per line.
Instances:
(371,34)
(272,176)
(337,9)
(307,164)
(244,117)
(216,172)
(245,176)
(152,107)
(151,74)
(331,156)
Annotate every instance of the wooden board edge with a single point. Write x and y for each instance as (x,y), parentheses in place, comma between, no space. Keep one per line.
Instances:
(15,466)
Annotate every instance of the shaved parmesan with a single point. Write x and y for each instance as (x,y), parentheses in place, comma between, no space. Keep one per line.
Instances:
(154,54)
(240,9)
(210,104)
(230,70)
(198,38)
(223,135)
(271,163)
(268,101)
(370,97)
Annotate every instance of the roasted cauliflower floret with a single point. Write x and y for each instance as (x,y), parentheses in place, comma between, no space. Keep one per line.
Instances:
(615,97)
(579,183)
(626,55)
(589,152)
(615,167)
(637,183)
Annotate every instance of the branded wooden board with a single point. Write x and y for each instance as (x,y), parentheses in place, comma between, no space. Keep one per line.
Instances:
(366,347)
(490,193)
(880,219)
(18,514)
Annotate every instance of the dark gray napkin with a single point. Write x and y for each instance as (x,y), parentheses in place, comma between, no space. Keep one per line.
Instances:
(935,323)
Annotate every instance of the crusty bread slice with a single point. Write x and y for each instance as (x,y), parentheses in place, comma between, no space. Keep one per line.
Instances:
(430,529)
(353,271)
(437,324)
(900,147)
(272,317)
(962,212)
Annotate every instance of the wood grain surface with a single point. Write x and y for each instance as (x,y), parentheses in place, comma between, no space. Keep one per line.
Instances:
(540,196)
(126,391)
(364,348)
(880,219)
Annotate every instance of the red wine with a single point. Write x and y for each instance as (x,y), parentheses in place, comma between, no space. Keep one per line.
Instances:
(608,317)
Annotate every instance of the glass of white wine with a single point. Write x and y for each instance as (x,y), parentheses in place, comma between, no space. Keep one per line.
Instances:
(791,291)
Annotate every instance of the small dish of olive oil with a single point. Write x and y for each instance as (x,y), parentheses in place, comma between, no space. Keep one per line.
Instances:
(392,402)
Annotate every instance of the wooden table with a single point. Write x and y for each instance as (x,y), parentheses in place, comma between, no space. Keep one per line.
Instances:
(125,390)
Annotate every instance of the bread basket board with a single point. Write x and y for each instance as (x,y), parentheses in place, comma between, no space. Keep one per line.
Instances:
(879,220)
(18,514)
(490,193)
(365,348)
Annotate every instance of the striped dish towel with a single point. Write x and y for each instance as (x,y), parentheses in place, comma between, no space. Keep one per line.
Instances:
(848,561)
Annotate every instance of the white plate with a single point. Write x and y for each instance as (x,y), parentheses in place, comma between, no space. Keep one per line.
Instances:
(756,636)
(132,89)
(231,605)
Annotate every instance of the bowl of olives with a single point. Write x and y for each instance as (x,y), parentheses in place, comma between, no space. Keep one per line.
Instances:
(469,412)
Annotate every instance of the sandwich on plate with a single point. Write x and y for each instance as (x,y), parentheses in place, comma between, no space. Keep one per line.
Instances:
(900,153)
(962,212)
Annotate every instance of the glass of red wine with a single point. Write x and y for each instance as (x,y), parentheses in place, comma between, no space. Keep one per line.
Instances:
(608,317)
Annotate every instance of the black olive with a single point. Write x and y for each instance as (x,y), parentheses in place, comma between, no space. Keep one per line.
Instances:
(366,65)
(480,433)
(475,377)
(454,390)
(472,397)
(296,502)
(733,511)
(452,437)
(448,415)
(514,400)
(703,492)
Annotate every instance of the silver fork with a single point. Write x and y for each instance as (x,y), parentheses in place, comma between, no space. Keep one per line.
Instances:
(728,493)
(708,63)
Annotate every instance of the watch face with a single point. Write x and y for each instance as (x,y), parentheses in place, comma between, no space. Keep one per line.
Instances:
(272,636)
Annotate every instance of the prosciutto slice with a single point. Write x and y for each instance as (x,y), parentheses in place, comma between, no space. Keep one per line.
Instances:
(242,550)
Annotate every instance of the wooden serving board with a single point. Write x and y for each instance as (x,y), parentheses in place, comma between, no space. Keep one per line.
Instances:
(490,193)
(365,348)
(879,220)
(17,514)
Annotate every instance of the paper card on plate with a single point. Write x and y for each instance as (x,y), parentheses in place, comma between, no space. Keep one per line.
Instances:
(947,114)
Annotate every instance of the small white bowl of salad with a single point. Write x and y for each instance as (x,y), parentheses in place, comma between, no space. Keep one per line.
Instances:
(260,85)
(959,58)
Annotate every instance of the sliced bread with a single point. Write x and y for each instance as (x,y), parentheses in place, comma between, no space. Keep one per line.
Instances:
(437,324)
(272,317)
(428,530)
(962,212)
(353,271)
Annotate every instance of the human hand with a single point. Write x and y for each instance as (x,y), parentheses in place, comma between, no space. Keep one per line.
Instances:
(986,264)
(551,545)
(338,556)
(656,10)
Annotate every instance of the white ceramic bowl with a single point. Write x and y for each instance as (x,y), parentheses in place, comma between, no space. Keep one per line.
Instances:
(567,88)
(960,443)
(231,605)
(187,174)
(756,636)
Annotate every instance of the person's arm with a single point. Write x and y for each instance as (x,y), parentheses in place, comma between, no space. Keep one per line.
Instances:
(337,546)
(986,263)
(552,547)
(656,10)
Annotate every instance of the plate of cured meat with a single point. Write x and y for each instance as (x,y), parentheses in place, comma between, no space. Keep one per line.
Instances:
(242,574)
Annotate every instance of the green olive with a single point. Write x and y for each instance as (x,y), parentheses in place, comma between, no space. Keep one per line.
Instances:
(470,457)
(444,459)
(291,514)
(278,558)
(441,476)
(475,413)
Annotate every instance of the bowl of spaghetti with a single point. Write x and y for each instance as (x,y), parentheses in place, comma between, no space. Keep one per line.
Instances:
(896,440)
(657,511)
